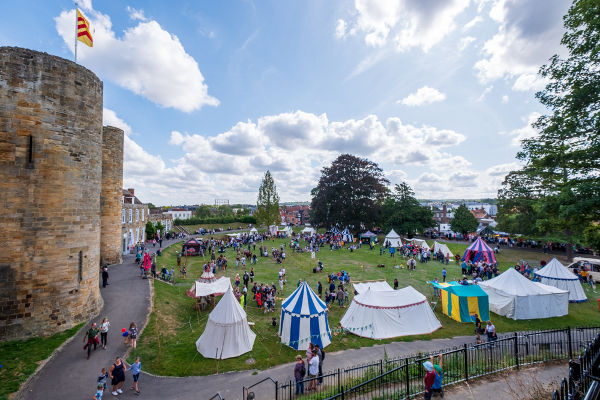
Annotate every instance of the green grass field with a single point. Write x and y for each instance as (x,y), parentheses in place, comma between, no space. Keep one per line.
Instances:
(20,358)
(167,346)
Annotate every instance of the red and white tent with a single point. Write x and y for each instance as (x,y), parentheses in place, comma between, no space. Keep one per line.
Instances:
(390,313)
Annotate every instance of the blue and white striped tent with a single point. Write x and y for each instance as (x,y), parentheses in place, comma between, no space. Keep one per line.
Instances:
(347,236)
(304,319)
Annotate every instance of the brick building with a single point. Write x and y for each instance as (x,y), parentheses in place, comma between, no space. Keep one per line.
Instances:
(166,219)
(294,215)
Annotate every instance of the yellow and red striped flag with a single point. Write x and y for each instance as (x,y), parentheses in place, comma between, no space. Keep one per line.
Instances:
(83,30)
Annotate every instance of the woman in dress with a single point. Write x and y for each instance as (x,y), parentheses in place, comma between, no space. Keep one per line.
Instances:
(117,376)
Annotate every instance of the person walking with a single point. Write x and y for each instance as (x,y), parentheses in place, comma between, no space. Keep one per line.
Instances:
(340,297)
(104,327)
(490,330)
(135,369)
(443,274)
(299,374)
(117,376)
(436,387)
(321,354)
(133,334)
(92,339)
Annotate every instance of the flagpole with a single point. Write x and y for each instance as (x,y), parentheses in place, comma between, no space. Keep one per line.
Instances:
(76,32)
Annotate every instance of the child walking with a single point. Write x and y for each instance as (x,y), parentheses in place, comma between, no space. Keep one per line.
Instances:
(135,369)
(133,332)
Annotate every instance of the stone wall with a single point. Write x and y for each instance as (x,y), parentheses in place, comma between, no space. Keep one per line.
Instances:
(111,195)
(50,181)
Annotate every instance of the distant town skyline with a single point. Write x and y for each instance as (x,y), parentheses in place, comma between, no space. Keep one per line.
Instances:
(210,95)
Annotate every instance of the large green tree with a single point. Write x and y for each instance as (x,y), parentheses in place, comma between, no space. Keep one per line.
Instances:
(203,212)
(464,221)
(559,181)
(150,230)
(402,211)
(267,211)
(350,193)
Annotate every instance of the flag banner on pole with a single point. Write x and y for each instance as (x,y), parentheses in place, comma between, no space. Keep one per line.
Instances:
(83,30)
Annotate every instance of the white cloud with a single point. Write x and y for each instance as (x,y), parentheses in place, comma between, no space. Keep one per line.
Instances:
(526,39)
(340,29)
(505,99)
(409,23)
(294,146)
(502,169)
(135,14)
(109,117)
(146,59)
(465,42)
(525,132)
(425,95)
(472,23)
(526,82)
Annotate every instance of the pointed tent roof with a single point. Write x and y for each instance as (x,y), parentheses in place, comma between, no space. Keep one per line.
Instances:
(480,249)
(513,283)
(368,234)
(443,247)
(557,275)
(361,287)
(555,270)
(303,301)
(334,230)
(392,235)
(228,310)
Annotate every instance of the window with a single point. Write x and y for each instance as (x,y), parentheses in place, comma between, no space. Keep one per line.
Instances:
(137,214)
(143,213)
(130,215)
(123,215)
(137,235)
(80,271)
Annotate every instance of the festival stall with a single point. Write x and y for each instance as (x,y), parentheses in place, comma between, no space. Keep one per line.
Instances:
(367,237)
(347,236)
(334,231)
(460,302)
(273,230)
(419,242)
(479,251)
(253,231)
(393,239)
(191,247)
(516,297)
(443,248)
(308,231)
(208,285)
(383,314)
(557,275)
(227,333)
(304,319)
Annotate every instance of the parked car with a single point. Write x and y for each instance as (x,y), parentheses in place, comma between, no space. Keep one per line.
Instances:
(592,265)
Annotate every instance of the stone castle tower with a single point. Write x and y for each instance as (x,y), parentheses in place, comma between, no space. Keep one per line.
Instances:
(61,177)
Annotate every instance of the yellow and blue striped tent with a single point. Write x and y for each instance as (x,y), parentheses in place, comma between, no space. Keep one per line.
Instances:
(460,302)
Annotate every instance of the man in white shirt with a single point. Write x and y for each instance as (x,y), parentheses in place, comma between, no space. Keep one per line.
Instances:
(313,370)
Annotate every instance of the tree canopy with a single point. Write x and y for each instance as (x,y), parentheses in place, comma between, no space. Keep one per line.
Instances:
(403,213)
(267,211)
(557,191)
(463,222)
(350,193)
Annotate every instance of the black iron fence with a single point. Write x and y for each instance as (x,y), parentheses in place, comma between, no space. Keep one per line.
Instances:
(584,375)
(217,397)
(400,378)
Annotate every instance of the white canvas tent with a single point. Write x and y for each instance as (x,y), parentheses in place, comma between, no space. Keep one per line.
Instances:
(227,333)
(514,296)
(557,275)
(253,231)
(441,246)
(393,238)
(207,284)
(362,287)
(390,313)
(273,229)
(308,230)
(419,242)
(285,230)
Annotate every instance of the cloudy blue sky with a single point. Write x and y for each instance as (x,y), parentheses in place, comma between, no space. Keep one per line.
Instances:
(213,93)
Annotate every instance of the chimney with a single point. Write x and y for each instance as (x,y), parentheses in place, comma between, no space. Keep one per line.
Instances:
(131,191)
(444,211)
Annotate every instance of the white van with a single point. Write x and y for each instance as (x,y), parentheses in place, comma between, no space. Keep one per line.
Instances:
(592,265)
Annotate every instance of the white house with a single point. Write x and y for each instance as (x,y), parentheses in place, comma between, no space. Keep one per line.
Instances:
(179,213)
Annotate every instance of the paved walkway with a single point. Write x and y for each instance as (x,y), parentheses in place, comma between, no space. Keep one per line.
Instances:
(69,375)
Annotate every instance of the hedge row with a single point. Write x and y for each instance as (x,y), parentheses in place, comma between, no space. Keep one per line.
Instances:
(247,219)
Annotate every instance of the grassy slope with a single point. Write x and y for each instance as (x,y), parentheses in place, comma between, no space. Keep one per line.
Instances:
(20,358)
(167,346)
